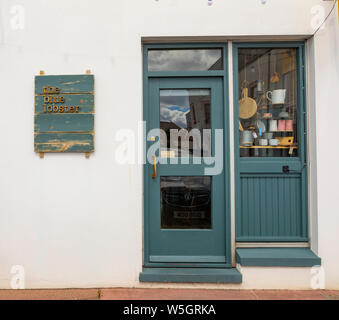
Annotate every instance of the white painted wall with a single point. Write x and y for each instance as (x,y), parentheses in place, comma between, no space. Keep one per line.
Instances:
(326,56)
(76,222)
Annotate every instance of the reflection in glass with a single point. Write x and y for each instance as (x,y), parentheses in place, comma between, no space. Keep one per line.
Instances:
(268,110)
(185,202)
(185,60)
(186,109)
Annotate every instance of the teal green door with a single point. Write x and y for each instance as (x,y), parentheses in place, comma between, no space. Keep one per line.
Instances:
(185,222)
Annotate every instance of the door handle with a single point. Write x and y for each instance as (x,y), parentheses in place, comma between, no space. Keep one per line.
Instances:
(154,174)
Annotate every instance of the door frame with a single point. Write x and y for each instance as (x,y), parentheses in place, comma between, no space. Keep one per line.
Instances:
(146,169)
(299,163)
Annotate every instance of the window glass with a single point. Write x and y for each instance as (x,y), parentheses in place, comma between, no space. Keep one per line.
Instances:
(186,202)
(185,60)
(268,110)
(184,118)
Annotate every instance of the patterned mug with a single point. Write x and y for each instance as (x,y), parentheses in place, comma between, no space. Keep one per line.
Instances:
(289,125)
(281,125)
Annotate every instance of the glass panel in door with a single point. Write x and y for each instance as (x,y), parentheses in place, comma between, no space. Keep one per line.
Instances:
(186,112)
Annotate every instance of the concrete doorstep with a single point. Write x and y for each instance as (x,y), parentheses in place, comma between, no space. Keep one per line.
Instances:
(167,294)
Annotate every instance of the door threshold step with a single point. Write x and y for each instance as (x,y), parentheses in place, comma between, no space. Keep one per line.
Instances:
(277,257)
(190,275)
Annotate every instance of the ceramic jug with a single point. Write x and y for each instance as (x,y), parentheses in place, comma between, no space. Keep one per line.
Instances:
(276,96)
(246,137)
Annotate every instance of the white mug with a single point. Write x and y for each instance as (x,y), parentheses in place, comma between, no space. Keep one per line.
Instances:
(263,142)
(276,96)
(273,124)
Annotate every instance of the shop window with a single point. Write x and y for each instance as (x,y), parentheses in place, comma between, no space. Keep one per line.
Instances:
(268,108)
(185,60)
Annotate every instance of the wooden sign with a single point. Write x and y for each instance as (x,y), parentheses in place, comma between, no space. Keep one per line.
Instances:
(64,113)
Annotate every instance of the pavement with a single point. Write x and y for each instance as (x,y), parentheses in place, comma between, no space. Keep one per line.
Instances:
(167,294)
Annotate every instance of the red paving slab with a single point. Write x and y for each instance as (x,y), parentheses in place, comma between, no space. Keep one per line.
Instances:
(289,295)
(331,294)
(167,294)
(209,294)
(176,294)
(50,294)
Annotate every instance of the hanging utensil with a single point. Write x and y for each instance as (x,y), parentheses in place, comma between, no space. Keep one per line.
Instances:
(275,76)
(247,106)
(240,126)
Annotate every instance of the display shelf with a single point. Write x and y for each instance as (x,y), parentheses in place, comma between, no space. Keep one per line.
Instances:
(268,147)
